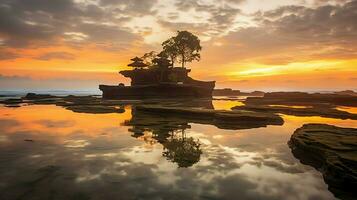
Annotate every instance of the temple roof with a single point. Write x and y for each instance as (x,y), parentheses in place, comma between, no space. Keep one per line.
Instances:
(137,64)
(137,59)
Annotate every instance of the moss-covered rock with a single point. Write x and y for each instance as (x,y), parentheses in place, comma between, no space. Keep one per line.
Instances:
(333,151)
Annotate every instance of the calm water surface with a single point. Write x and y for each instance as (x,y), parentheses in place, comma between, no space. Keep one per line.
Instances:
(48,152)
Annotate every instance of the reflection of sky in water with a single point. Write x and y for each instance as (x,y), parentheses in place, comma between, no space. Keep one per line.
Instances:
(76,156)
(225,105)
(348,109)
(290,106)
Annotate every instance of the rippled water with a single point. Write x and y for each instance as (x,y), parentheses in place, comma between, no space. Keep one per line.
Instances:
(48,152)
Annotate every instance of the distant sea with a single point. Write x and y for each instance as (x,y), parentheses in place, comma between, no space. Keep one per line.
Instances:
(19,93)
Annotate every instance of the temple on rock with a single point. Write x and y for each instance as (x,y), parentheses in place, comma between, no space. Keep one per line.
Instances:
(160,80)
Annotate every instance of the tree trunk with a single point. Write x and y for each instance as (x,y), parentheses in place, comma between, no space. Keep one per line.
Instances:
(183,61)
(172,62)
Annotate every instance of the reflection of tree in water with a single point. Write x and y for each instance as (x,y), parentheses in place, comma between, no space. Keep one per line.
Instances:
(182,150)
(177,147)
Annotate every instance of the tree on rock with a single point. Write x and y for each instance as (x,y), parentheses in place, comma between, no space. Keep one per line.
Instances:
(148,57)
(169,49)
(185,47)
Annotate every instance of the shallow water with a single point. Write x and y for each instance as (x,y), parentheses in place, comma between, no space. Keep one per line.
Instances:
(48,152)
(286,106)
(349,109)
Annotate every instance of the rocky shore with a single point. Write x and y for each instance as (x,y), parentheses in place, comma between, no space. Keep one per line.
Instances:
(302,104)
(219,118)
(331,150)
(303,98)
(323,111)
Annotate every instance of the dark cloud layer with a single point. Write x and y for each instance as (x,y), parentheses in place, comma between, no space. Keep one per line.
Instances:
(42,22)
(330,30)
(222,16)
(56,55)
(38,23)
(7,55)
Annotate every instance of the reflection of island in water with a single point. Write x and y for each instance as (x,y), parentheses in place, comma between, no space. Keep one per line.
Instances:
(177,147)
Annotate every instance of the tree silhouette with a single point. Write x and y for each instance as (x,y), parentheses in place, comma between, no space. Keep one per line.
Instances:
(161,61)
(185,47)
(149,57)
(170,50)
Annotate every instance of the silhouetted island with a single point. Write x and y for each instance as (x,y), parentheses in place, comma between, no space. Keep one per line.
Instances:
(154,75)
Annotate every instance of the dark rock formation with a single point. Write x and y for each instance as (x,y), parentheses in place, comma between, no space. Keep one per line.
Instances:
(346,92)
(226,92)
(333,151)
(158,83)
(155,91)
(323,111)
(81,104)
(11,101)
(33,96)
(231,92)
(219,118)
(302,98)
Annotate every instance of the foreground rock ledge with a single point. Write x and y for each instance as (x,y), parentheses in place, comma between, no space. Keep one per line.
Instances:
(333,151)
(219,118)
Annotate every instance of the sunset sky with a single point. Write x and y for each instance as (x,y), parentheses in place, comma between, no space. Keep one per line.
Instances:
(249,45)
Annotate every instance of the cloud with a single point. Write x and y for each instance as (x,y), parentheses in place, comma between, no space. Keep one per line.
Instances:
(56,55)
(212,18)
(40,22)
(13,78)
(7,55)
(293,31)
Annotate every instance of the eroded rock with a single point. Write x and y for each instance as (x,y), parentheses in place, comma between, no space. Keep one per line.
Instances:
(333,151)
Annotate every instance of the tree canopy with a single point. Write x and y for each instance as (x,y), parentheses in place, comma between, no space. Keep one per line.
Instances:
(184,47)
(149,57)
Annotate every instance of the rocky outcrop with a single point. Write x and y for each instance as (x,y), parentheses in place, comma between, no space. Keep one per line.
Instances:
(323,111)
(219,118)
(333,151)
(302,98)
(80,104)
(231,92)
(34,96)
(155,91)
(346,92)
(159,83)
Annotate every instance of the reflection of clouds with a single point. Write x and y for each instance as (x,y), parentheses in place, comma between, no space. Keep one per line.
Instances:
(136,172)
(247,164)
(275,183)
(76,143)
(5,124)
(3,138)
(55,123)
